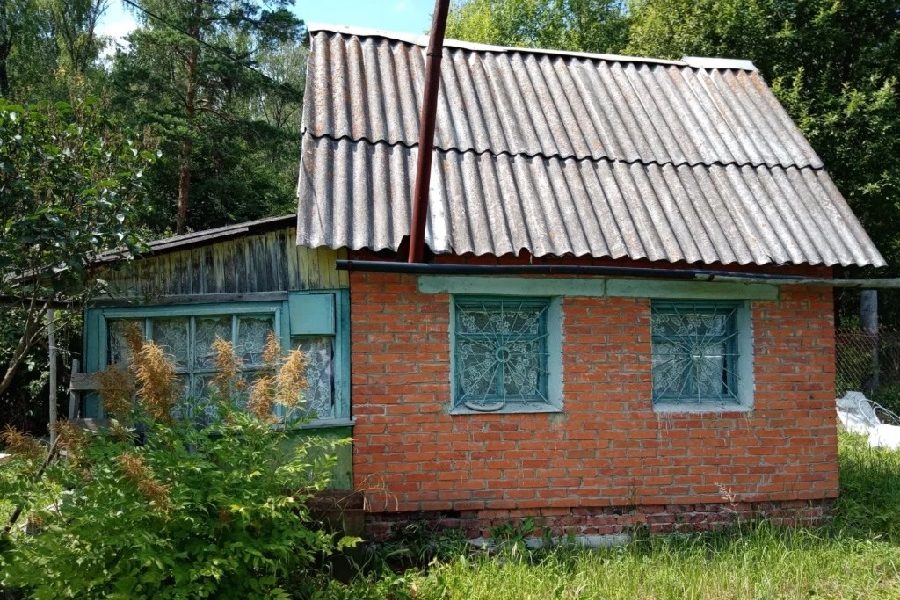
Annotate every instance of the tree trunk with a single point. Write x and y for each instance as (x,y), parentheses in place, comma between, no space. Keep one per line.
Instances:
(5,49)
(190,96)
(184,183)
(25,343)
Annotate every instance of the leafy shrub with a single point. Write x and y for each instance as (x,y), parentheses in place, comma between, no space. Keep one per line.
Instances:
(419,543)
(187,512)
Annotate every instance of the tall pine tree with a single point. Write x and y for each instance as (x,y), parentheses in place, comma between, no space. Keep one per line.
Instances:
(192,76)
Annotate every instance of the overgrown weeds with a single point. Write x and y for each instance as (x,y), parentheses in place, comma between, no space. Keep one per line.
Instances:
(158,507)
(857,555)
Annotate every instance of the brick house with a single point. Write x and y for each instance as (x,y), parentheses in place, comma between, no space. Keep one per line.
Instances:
(624,318)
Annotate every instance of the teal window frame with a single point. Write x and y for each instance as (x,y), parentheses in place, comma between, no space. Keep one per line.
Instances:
(736,355)
(320,313)
(548,397)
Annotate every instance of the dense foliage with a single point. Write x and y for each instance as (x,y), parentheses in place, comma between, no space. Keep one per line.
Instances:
(204,76)
(152,507)
(71,186)
(585,25)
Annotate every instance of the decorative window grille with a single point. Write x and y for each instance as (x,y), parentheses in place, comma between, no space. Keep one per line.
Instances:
(695,352)
(500,352)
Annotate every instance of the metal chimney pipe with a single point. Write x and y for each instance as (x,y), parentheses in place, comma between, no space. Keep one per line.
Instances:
(427,119)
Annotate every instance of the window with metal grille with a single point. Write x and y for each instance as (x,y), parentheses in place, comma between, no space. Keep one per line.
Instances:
(500,352)
(696,352)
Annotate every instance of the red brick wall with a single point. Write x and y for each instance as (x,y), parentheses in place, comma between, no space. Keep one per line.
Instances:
(608,448)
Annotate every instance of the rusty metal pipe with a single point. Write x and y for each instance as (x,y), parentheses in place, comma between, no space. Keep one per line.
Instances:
(427,119)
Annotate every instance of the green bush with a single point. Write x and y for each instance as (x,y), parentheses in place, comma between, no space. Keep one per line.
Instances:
(190,512)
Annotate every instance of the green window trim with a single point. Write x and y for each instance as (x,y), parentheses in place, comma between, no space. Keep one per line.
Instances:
(297,318)
(595,287)
(701,356)
(506,354)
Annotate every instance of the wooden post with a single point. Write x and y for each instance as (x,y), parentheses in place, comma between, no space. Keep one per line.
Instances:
(868,320)
(51,343)
(73,395)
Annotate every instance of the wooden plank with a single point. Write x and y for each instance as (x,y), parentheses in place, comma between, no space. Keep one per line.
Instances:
(323,270)
(303,266)
(172,299)
(197,274)
(51,384)
(209,268)
(182,265)
(343,276)
(73,397)
(84,382)
(250,275)
(291,252)
(228,267)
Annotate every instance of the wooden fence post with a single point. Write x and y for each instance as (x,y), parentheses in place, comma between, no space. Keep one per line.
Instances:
(51,343)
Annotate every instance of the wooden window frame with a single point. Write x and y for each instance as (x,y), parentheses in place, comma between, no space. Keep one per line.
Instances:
(288,324)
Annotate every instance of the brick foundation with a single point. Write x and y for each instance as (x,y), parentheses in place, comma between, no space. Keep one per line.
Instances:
(610,520)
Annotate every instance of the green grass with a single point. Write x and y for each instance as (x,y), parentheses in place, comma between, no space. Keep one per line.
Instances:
(856,556)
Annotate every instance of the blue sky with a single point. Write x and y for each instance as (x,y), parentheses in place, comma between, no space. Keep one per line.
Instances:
(412,16)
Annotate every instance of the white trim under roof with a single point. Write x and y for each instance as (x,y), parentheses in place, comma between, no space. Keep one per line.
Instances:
(702,62)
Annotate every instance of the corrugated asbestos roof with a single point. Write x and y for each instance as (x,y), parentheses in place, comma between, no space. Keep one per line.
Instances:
(560,153)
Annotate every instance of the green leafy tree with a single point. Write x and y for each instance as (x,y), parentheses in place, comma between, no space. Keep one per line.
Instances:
(20,24)
(71,187)
(49,49)
(192,76)
(583,25)
(74,27)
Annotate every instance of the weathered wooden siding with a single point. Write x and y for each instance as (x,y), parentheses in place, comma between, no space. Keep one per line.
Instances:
(265,262)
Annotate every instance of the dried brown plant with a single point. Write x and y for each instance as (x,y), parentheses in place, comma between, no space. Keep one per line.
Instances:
(272,351)
(21,444)
(290,380)
(134,338)
(155,374)
(71,438)
(228,367)
(136,470)
(116,391)
(262,398)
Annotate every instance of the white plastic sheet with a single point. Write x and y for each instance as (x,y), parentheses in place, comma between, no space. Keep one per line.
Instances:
(857,414)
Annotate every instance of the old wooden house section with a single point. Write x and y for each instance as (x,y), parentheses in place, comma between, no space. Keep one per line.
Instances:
(238,283)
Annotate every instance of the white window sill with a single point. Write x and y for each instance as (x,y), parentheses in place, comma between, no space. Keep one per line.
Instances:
(510,408)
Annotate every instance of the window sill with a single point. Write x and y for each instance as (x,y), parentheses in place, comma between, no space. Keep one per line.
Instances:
(510,409)
(706,407)
(321,424)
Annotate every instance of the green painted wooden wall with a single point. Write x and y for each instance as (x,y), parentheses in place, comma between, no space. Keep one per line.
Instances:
(246,264)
